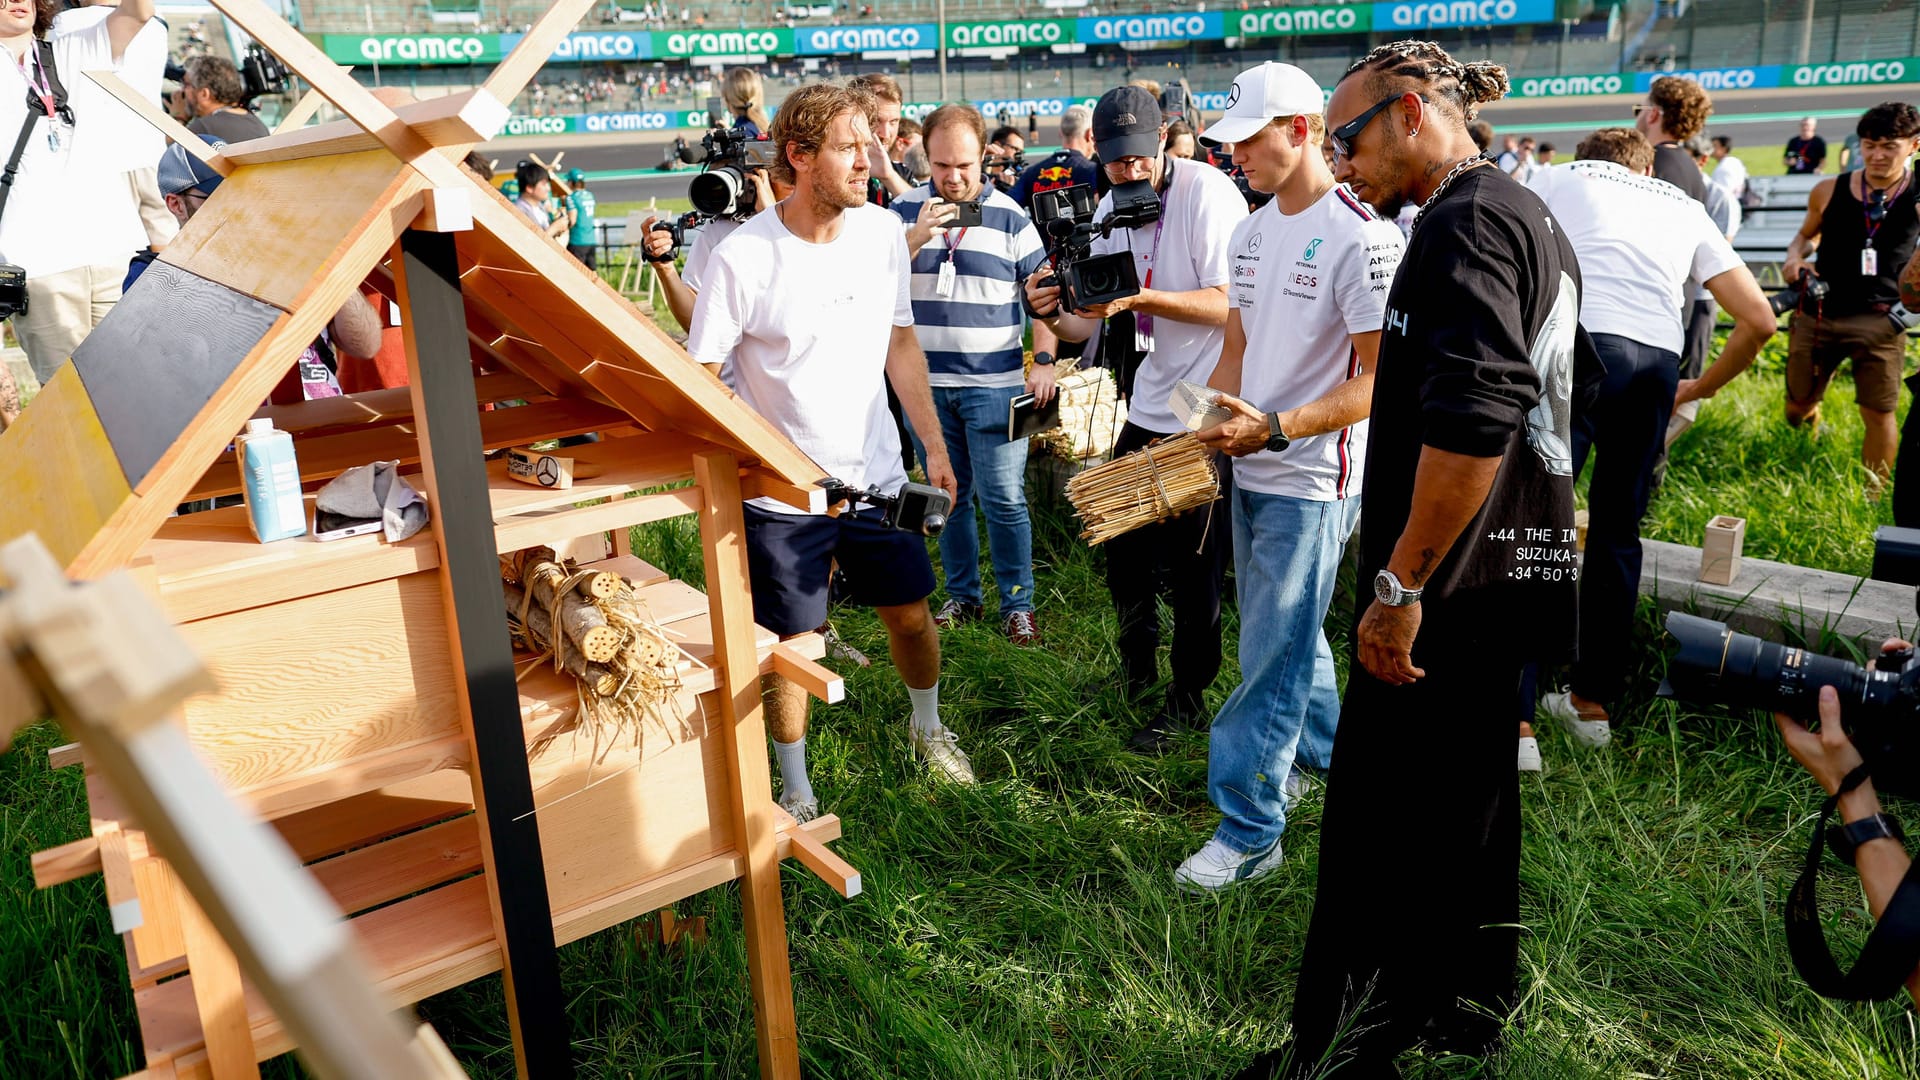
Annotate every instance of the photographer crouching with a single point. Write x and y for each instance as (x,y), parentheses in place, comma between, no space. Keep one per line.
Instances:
(1863,225)
(1174,323)
(73,222)
(808,307)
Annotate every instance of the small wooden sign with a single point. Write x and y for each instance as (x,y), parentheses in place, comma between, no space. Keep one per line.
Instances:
(531,466)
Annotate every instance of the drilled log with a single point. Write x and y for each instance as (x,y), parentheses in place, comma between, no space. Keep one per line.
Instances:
(579,619)
(595,677)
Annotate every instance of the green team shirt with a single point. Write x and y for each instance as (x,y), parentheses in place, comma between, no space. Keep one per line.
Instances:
(582,234)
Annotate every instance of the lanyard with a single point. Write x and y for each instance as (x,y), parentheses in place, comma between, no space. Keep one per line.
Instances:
(1872,224)
(43,87)
(954,242)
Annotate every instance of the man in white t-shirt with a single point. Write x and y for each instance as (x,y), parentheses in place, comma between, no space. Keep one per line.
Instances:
(1176,324)
(1729,172)
(1310,275)
(807,306)
(682,284)
(71,221)
(1640,241)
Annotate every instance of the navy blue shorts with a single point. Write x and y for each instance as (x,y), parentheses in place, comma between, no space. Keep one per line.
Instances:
(790,561)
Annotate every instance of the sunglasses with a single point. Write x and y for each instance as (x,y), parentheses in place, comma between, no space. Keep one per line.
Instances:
(1342,137)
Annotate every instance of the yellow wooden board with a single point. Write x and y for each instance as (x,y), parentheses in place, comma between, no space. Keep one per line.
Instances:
(59,472)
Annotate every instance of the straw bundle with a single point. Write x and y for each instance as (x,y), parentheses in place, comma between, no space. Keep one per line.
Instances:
(630,669)
(1154,483)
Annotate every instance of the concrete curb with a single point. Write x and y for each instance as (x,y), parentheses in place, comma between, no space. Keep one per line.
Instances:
(1779,601)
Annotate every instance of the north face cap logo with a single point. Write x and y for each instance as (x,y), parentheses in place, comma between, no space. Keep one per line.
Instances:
(1233,95)
(1125,119)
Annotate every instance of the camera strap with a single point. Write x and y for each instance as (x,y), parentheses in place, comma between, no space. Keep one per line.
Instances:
(1893,947)
(54,98)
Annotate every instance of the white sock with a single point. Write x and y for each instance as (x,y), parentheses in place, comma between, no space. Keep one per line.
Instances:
(792,756)
(926,708)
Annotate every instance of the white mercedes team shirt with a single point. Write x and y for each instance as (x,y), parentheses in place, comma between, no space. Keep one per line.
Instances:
(1303,285)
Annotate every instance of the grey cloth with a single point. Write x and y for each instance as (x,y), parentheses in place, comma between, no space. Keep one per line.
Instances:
(376,491)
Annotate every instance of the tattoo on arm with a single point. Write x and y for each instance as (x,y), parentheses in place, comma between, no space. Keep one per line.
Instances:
(1428,557)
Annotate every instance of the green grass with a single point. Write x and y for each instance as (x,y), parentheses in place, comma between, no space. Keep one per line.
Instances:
(1028,928)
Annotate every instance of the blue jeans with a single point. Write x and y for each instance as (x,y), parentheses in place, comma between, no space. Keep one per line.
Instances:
(973,420)
(1286,555)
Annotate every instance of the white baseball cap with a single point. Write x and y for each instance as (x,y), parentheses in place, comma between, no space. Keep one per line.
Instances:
(1262,93)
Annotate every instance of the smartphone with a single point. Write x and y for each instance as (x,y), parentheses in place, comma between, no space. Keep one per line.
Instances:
(968,216)
(717,114)
(330,526)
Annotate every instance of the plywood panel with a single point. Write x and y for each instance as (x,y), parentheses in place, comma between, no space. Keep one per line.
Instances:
(59,470)
(324,679)
(272,229)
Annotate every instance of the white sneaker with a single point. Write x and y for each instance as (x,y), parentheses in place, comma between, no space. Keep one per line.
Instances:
(1530,754)
(941,751)
(802,810)
(1590,733)
(1297,786)
(1216,866)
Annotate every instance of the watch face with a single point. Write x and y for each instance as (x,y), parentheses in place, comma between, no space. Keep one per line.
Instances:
(1383,587)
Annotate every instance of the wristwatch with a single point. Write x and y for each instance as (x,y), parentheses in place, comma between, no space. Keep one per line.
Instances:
(1276,439)
(1845,840)
(1043,359)
(1388,590)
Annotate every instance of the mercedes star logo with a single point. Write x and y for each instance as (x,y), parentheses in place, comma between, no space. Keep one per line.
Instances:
(548,472)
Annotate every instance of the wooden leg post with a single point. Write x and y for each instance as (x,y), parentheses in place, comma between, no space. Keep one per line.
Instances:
(743,730)
(447,414)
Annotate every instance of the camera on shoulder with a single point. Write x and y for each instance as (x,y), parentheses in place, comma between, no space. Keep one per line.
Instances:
(723,188)
(1065,215)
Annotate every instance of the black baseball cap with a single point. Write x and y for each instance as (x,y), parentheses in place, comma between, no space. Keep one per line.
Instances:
(1126,123)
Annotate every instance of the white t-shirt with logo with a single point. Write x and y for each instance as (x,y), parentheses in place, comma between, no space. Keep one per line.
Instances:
(1304,285)
(70,205)
(1639,241)
(1202,207)
(807,327)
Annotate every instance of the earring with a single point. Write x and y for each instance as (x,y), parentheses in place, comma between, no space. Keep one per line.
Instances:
(1413,132)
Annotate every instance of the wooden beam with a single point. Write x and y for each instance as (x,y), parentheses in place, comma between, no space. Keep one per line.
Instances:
(434,321)
(304,109)
(790,665)
(445,210)
(123,899)
(454,121)
(743,741)
(64,755)
(171,128)
(219,997)
(830,867)
(528,57)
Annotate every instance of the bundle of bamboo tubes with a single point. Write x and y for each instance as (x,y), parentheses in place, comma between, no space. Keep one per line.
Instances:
(592,626)
(1154,483)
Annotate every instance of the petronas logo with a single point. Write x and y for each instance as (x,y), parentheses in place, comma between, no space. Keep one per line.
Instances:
(1311,248)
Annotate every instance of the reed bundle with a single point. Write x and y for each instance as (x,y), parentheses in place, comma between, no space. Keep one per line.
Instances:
(1154,483)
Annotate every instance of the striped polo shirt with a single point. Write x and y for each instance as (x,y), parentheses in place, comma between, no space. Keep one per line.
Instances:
(972,338)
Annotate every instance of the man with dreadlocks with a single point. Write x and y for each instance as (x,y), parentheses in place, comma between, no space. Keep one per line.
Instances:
(1469,548)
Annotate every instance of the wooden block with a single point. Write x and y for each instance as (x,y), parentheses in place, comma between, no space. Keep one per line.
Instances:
(445,210)
(161,937)
(123,899)
(70,861)
(542,469)
(826,685)
(64,755)
(825,864)
(1720,549)
(218,997)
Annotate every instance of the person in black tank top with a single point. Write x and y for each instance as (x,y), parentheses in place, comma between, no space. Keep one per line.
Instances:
(1863,226)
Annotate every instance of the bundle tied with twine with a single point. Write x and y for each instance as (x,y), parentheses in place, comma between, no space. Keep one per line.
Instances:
(1157,482)
(592,626)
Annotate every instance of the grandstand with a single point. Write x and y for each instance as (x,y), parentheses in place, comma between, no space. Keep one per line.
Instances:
(1741,33)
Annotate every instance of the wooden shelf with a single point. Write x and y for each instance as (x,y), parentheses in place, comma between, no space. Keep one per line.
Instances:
(374,408)
(633,475)
(209,563)
(432,942)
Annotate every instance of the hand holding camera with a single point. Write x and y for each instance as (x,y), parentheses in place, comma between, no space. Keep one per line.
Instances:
(915,508)
(936,214)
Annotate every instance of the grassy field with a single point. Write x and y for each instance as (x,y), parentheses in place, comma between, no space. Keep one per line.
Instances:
(1028,927)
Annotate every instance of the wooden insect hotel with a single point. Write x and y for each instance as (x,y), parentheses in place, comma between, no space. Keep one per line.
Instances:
(444,790)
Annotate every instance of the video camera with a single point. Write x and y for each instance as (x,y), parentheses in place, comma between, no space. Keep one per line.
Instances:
(1808,288)
(261,73)
(1065,216)
(915,508)
(722,188)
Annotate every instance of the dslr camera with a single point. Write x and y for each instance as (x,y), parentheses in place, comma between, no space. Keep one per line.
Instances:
(1086,279)
(261,73)
(13,291)
(1879,705)
(677,228)
(1809,289)
(915,508)
(722,188)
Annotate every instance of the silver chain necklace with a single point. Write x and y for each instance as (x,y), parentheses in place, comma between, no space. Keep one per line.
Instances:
(1465,165)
